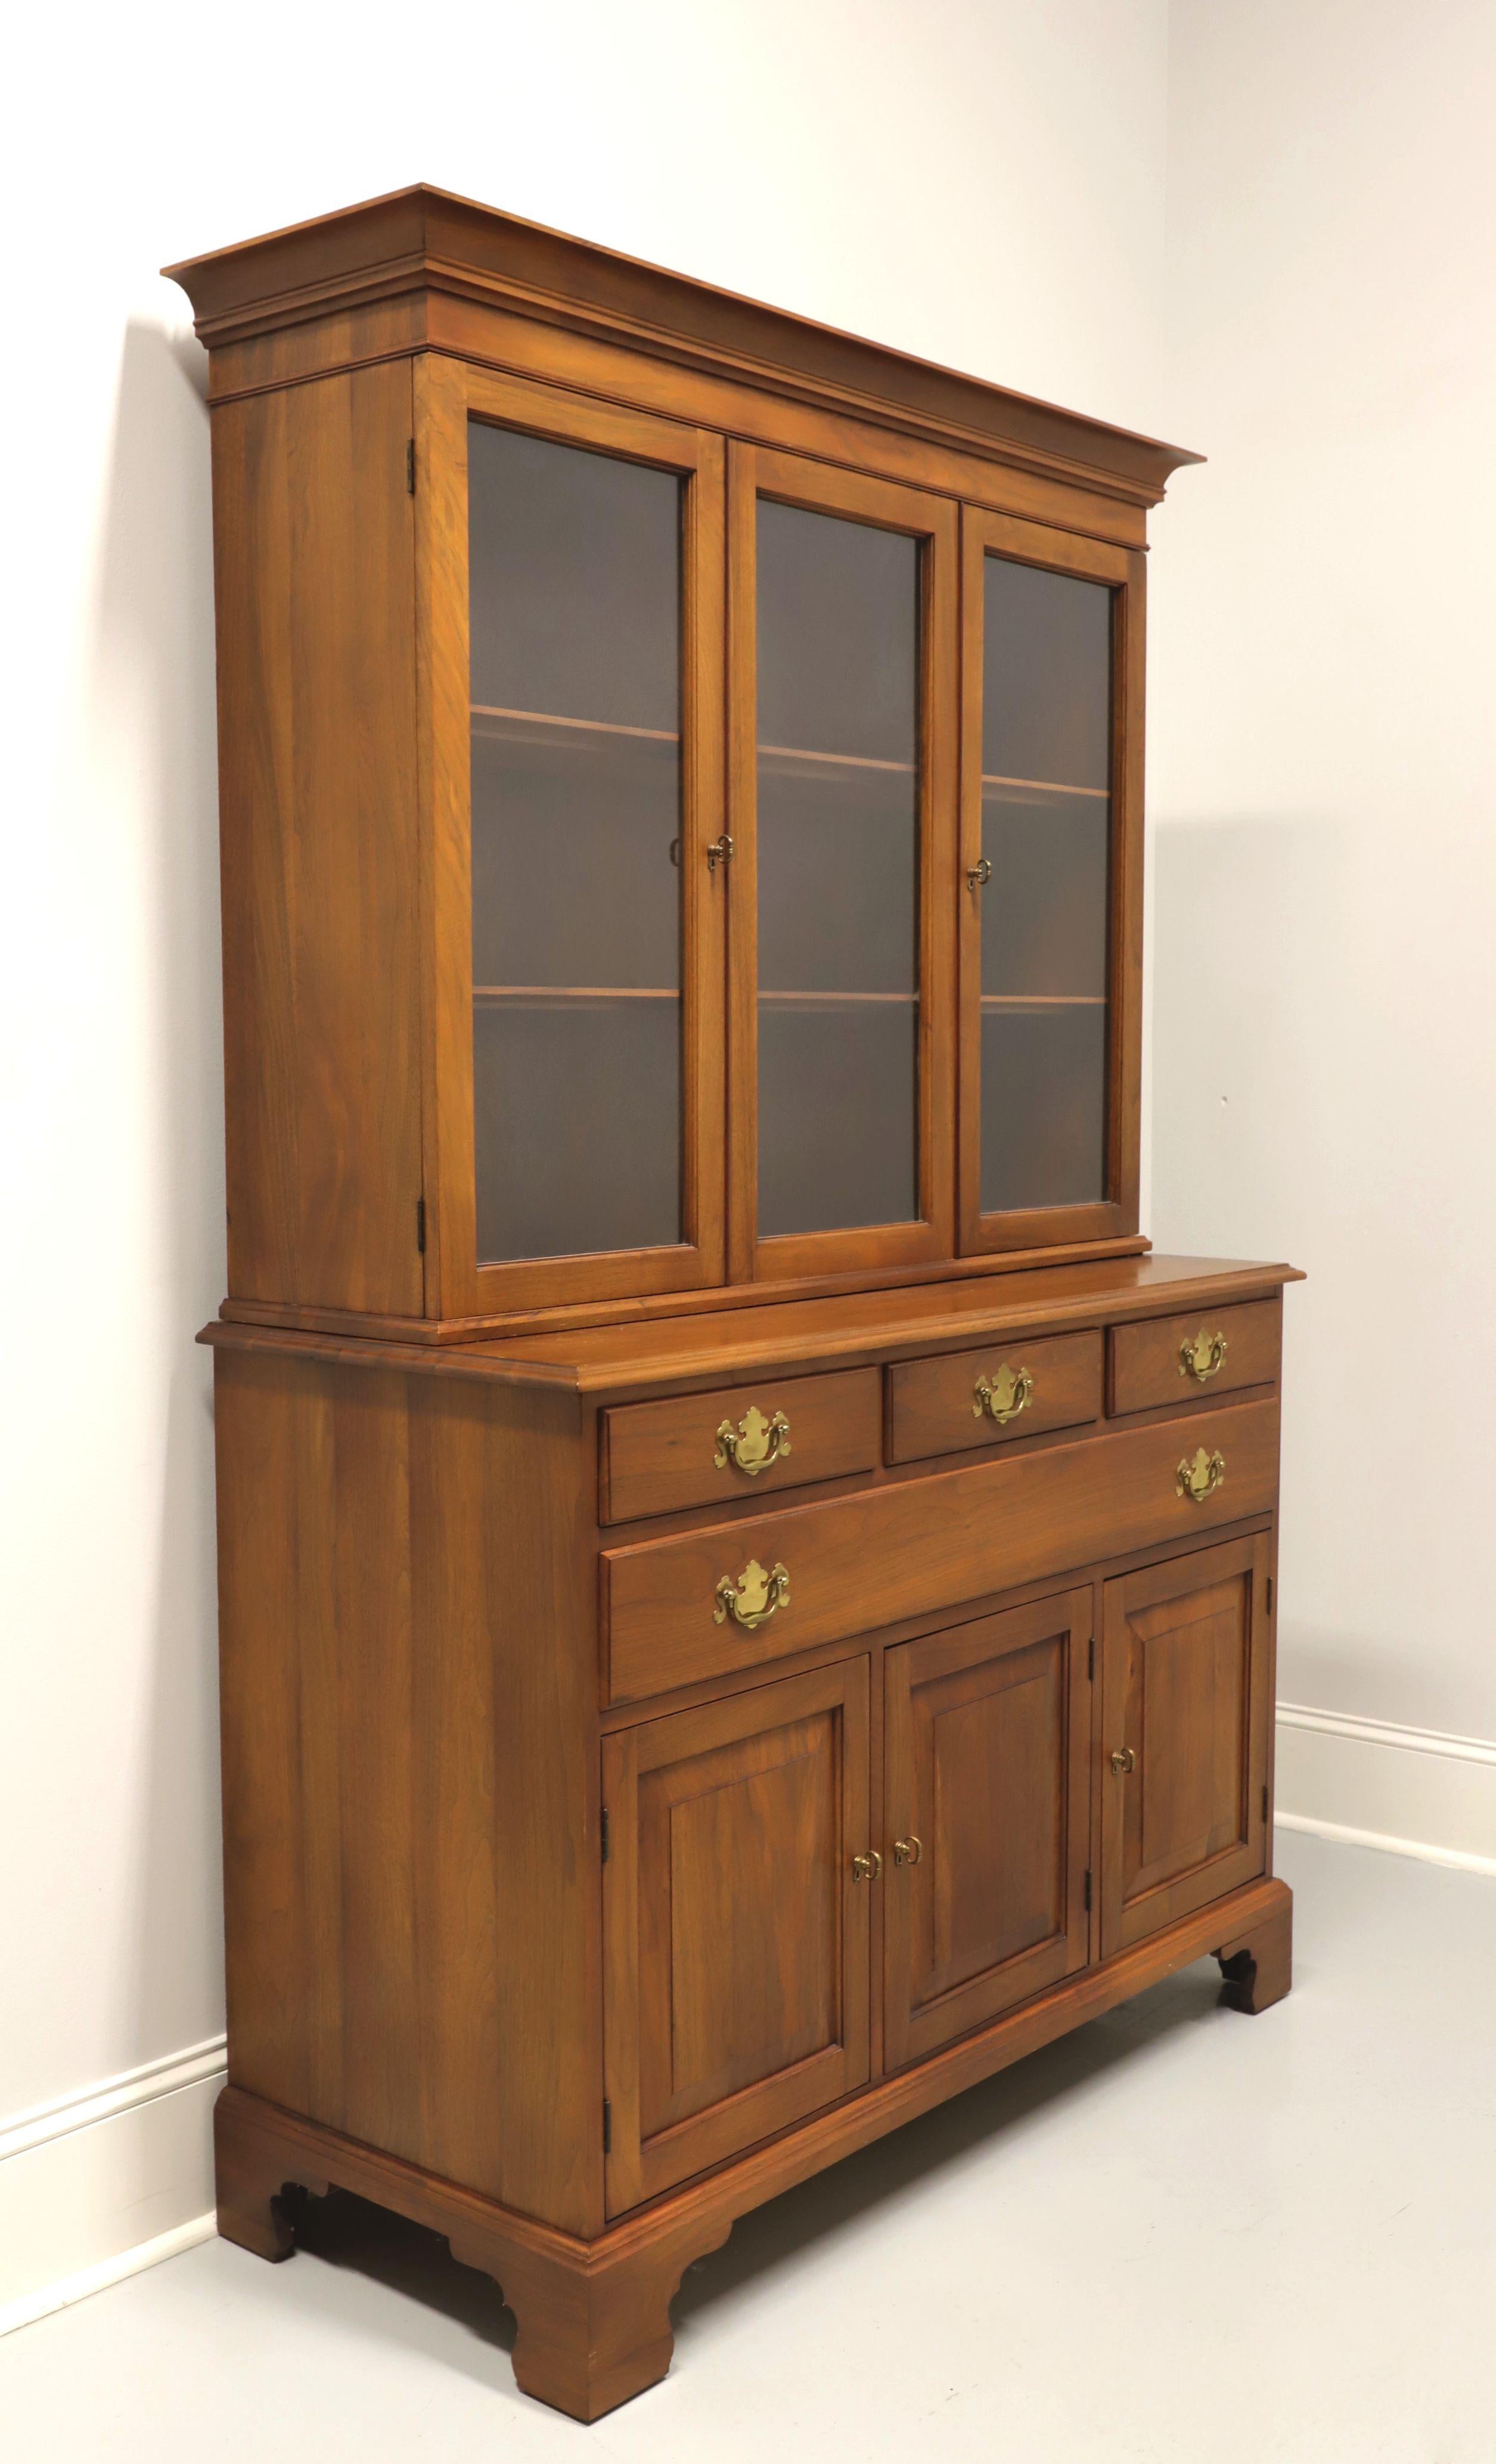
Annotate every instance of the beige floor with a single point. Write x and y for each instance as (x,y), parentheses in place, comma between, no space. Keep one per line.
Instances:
(1182,2234)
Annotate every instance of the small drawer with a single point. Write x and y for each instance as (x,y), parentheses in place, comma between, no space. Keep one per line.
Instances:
(737,1441)
(700,1604)
(982,1399)
(1162,1360)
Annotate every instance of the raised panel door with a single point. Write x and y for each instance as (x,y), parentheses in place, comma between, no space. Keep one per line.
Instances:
(736,1931)
(1183,1736)
(986,1820)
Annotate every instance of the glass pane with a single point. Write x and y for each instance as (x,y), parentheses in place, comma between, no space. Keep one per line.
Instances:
(1047,834)
(838,872)
(575,619)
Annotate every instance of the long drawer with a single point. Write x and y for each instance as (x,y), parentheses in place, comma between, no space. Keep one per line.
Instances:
(673,1609)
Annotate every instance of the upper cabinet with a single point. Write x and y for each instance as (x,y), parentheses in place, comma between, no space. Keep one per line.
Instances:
(681,788)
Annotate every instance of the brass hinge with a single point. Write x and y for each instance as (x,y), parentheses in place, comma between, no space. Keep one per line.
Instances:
(410,468)
(1091,1659)
(1088,1890)
(604,1836)
(419,1225)
(608,2128)
(1265,1800)
(1270,1594)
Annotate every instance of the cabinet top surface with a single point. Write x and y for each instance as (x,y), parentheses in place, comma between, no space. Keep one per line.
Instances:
(424,238)
(846,1328)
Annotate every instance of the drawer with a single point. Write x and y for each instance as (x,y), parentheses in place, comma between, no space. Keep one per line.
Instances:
(660,1457)
(1149,1368)
(910,1546)
(942,1407)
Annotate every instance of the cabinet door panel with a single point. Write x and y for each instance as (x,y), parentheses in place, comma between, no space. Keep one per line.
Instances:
(1051,786)
(572,566)
(986,1768)
(736,1935)
(842,686)
(1185,1706)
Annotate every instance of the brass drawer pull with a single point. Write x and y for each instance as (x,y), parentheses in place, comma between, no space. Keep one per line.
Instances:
(907,1852)
(754,1597)
(1201,1358)
(1003,1398)
(754,1444)
(1200,1478)
(1122,1761)
(867,1869)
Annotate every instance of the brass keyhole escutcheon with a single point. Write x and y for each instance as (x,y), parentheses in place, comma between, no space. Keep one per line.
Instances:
(907,1852)
(1122,1761)
(1199,1476)
(867,1869)
(1003,1397)
(752,1600)
(1203,1356)
(755,1443)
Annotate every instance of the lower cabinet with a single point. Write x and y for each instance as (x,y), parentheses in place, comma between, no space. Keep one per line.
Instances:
(736,1929)
(1184,1727)
(986,1791)
(746,1854)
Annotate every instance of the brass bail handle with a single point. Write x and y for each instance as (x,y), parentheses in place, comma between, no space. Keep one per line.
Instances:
(1200,1475)
(1003,1397)
(867,1869)
(754,1445)
(1122,1761)
(1201,1356)
(907,1852)
(752,1600)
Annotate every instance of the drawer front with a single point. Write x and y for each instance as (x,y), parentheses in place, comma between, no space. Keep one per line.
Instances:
(987,1398)
(1226,1348)
(737,1441)
(912,1547)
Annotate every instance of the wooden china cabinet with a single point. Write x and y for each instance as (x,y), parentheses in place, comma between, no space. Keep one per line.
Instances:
(746,1588)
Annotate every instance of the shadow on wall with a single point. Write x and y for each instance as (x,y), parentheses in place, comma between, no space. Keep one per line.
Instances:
(153,718)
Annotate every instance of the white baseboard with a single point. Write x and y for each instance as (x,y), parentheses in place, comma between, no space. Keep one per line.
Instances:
(103,2183)
(1413,1791)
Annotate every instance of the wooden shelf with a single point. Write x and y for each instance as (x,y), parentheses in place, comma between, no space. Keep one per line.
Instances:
(909,999)
(836,760)
(573,992)
(1043,1000)
(585,726)
(1046,787)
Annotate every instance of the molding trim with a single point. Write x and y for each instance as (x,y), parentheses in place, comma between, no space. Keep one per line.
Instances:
(39,2122)
(60,2295)
(1415,1791)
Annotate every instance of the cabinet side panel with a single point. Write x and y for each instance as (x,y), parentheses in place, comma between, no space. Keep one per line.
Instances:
(315,612)
(411,1820)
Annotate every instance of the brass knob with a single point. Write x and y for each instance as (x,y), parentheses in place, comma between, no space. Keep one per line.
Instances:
(1202,1357)
(754,1444)
(979,873)
(867,1869)
(752,1600)
(1003,1398)
(1122,1761)
(907,1852)
(1199,1478)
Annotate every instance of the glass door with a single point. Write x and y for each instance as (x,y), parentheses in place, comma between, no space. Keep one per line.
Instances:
(1051,905)
(842,815)
(591,1111)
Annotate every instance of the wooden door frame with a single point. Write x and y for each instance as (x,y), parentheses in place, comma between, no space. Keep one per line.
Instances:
(634,2169)
(821,486)
(1149,1587)
(1124,571)
(448,393)
(910,2034)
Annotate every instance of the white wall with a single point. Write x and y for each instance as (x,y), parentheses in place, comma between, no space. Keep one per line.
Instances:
(1323,785)
(980,181)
